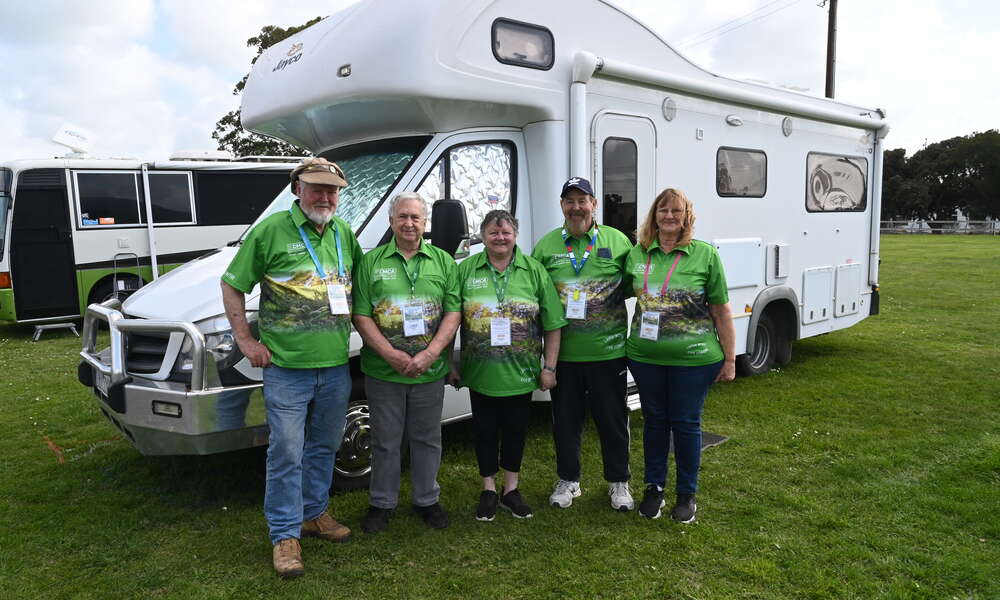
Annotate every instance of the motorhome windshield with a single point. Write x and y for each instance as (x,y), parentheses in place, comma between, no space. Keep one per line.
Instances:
(372,168)
(5,183)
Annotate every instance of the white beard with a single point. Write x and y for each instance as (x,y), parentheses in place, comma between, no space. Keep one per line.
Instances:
(319,217)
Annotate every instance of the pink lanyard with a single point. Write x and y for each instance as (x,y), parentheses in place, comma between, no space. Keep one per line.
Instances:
(666,282)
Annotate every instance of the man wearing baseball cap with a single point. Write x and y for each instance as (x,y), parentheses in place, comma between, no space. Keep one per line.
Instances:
(586,262)
(302,259)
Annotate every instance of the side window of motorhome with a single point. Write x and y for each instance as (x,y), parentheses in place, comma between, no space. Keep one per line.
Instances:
(110,199)
(740,172)
(523,44)
(620,180)
(836,183)
(480,175)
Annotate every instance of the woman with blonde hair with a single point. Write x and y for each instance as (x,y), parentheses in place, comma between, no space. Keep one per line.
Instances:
(681,341)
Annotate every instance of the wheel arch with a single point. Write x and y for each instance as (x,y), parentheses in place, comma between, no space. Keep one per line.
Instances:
(783,304)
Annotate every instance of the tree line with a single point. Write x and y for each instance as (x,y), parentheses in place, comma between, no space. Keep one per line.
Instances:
(960,173)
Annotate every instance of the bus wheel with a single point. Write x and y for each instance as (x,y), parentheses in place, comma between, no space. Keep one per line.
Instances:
(353,467)
(767,340)
(104,291)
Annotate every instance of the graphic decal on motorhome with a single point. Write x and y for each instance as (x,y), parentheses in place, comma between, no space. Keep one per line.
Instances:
(388,314)
(298,302)
(835,183)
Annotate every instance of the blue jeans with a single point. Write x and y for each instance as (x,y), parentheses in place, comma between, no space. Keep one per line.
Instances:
(305,409)
(672,399)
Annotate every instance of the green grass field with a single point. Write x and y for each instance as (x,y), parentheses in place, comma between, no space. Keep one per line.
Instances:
(869,467)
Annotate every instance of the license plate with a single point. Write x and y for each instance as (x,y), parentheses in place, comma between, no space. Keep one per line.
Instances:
(101,382)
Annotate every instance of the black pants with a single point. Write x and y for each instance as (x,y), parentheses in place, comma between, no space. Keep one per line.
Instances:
(500,423)
(600,387)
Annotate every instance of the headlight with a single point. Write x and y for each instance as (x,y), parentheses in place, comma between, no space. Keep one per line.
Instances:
(219,343)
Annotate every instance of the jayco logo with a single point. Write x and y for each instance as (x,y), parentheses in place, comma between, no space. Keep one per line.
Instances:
(294,54)
(296,247)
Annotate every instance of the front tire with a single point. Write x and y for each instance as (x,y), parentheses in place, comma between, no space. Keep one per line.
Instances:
(353,467)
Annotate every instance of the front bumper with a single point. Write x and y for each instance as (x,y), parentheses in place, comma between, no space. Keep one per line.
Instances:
(168,417)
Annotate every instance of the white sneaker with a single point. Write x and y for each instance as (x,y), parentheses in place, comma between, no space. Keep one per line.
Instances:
(621,496)
(564,493)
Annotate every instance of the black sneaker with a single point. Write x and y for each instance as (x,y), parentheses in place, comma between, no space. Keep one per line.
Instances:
(487,508)
(376,520)
(652,502)
(434,516)
(685,509)
(513,502)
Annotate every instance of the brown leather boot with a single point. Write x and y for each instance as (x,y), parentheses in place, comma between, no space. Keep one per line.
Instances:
(287,557)
(325,527)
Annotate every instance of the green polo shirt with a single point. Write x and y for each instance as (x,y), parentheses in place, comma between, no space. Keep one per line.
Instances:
(382,289)
(294,319)
(601,334)
(687,334)
(530,302)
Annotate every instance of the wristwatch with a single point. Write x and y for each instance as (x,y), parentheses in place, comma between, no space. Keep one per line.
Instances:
(550,369)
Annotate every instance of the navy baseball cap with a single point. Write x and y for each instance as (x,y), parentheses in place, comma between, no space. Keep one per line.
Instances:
(579,183)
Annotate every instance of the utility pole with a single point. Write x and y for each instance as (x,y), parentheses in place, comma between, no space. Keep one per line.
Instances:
(831,48)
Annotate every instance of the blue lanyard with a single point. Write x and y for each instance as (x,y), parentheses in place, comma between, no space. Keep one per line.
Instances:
(312,252)
(586,253)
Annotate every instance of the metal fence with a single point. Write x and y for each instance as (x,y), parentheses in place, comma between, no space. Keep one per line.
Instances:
(964,227)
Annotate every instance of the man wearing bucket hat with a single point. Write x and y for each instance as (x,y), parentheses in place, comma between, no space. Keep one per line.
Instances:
(586,262)
(302,258)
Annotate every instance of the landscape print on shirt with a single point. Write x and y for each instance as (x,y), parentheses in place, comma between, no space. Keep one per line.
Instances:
(525,329)
(388,315)
(606,310)
(298,302)
(683,313)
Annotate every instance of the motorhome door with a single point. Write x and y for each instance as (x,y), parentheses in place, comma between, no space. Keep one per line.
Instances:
(625,180)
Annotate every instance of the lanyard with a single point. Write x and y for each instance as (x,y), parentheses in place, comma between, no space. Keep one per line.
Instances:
(312,253)
(416,273)
(586,253)
(666,282)
(501,290)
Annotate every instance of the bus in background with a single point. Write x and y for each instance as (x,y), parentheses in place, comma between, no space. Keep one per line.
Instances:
(74,231)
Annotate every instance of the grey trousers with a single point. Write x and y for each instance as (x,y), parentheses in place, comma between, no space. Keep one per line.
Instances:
(402,412)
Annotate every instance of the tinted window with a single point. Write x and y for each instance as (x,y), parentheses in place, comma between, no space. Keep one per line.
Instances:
(836,183)
(740,172)
(170,197)
(107,198)
(523,44)
(235,197)
(620,183)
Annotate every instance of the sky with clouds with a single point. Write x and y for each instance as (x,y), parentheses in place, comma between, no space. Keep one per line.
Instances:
(150,77)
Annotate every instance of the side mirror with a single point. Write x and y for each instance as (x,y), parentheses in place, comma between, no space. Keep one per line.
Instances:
(450,225)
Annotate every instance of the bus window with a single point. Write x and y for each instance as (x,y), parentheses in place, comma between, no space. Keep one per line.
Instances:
(170,197)
(5,182)
(107,199)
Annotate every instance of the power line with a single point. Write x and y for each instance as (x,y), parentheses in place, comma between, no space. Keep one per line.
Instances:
(695,41)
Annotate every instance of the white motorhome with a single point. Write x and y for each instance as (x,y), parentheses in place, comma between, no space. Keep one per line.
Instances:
(495,103)
(74,230)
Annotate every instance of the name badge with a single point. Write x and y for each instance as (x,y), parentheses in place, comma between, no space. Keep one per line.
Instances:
(413,320)
(650,325)
(337,294)
(500,331)
(576,304)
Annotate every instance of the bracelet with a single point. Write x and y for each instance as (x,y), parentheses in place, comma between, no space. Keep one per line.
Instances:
(549,369)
